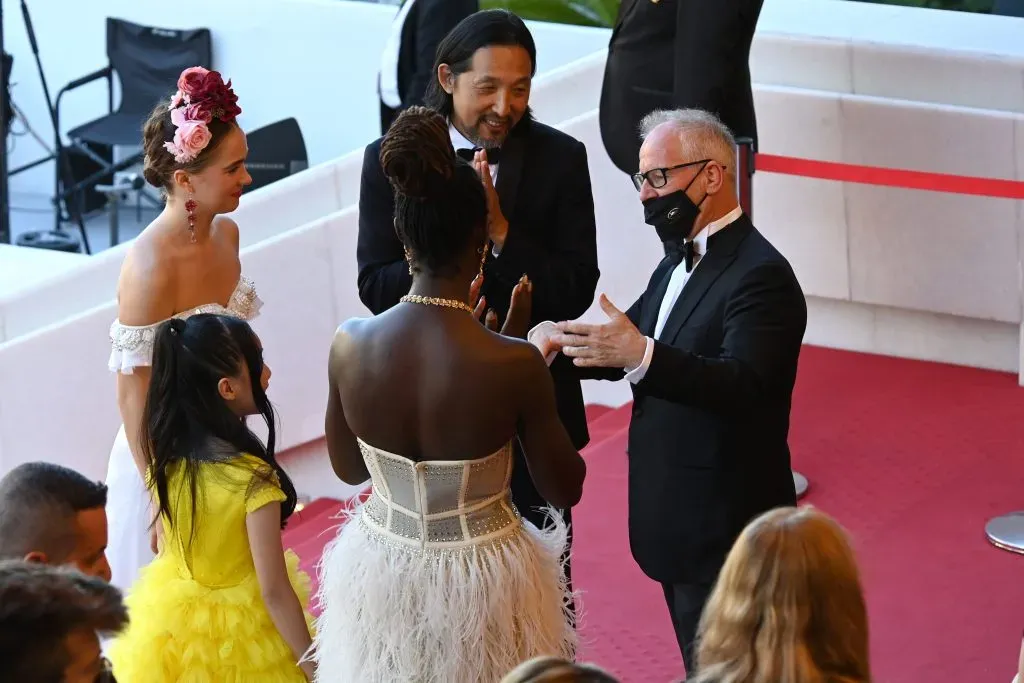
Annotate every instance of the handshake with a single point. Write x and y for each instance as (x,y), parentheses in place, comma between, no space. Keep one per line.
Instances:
(615,344)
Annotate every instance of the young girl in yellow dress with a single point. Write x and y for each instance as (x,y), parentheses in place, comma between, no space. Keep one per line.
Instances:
(222,602)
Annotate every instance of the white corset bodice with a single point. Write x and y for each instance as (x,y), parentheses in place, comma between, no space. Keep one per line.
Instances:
(439,504)
(132,345)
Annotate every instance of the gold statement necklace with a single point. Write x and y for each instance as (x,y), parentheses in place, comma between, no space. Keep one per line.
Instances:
(436,301)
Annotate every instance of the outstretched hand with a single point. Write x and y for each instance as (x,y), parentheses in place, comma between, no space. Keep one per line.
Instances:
(517,322)
(616,344)
(497,225)
(479,303)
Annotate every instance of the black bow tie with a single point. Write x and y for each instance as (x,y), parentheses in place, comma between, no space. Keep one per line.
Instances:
(687,251)
(493,154)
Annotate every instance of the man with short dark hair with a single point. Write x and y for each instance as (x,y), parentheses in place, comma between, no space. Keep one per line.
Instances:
(50,621)
(541,221)
(54,515)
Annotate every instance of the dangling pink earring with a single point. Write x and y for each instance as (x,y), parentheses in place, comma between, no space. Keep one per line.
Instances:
(190,206)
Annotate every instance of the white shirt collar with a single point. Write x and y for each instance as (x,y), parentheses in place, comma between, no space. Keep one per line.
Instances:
(701,239)
(459,141)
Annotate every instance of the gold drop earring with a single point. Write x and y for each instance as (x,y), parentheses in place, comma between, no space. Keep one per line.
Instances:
(483,256)
(408,259)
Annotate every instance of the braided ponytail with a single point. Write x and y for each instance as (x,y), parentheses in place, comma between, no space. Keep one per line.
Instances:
(440,205)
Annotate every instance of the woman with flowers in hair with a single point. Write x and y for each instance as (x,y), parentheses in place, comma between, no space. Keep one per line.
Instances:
(184,262)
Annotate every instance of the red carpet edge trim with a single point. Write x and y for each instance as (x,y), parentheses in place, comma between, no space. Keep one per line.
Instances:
(889,177)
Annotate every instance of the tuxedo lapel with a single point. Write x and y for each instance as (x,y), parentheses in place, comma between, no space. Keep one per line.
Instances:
(510,171)
(707,271)
(649,315)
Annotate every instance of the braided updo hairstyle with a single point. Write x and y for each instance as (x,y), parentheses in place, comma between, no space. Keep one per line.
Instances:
(440,205)
(159,165)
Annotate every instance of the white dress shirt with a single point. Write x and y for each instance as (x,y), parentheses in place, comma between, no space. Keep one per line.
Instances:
(675,287)
(389,94)
(460,141)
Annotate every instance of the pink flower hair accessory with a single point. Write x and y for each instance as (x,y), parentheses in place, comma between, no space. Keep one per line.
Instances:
(202,96)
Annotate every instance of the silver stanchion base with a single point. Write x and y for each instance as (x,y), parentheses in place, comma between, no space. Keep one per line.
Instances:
(1007,532)
(800,482)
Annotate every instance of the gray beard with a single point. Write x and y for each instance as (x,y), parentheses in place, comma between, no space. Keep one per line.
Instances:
(483,144)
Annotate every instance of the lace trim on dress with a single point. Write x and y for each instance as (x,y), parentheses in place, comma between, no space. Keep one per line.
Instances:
(132,345)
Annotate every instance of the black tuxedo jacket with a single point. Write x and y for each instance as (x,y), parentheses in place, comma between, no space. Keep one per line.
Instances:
(429,21)
(708,444)
(667,54)
(544,188)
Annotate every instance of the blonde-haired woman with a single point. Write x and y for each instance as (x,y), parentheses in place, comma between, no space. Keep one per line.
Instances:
(788,606)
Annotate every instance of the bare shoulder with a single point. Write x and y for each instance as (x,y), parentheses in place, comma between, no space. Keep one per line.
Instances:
(525,361)
(351,330)
(145,287)
(227,229)
(345,343)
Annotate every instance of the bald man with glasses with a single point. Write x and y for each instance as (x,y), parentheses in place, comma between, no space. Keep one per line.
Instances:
(710,349)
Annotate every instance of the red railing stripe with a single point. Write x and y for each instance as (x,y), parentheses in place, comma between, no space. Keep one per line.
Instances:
(889,177)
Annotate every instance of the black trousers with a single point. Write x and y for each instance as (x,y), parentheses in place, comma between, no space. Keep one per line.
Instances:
(532,506)
(685,603)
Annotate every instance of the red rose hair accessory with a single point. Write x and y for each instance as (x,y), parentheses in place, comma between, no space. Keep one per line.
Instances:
(202,96)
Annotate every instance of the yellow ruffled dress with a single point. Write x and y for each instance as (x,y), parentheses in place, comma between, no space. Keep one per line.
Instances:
(196,612)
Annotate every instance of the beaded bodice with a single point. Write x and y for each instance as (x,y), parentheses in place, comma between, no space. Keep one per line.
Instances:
(439,503)
(132,345)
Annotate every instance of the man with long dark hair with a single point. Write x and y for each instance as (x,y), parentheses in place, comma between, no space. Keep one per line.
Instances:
(541,209)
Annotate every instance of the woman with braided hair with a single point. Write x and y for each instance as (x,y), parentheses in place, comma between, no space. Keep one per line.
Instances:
(437,578)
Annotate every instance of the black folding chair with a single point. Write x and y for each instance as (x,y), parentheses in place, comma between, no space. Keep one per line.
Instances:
(147,61)
(276,151)
(6,62)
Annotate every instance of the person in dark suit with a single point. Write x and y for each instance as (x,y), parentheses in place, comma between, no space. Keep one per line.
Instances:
(711,350)
(1009,8)
(677,54)
(541,215)
(407,64)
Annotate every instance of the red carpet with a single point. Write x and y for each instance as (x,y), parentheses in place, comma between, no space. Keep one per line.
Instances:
(913,458)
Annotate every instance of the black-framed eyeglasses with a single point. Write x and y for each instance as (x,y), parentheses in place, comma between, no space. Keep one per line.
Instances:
(657,177)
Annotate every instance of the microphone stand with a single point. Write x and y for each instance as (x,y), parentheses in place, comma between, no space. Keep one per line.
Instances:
(5,210)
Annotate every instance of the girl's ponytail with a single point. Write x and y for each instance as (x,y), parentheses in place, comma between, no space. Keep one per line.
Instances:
(164,422)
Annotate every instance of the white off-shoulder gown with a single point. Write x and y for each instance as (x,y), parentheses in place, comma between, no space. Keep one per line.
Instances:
(128,501)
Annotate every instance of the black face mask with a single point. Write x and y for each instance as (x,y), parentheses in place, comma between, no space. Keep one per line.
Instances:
(673,215)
